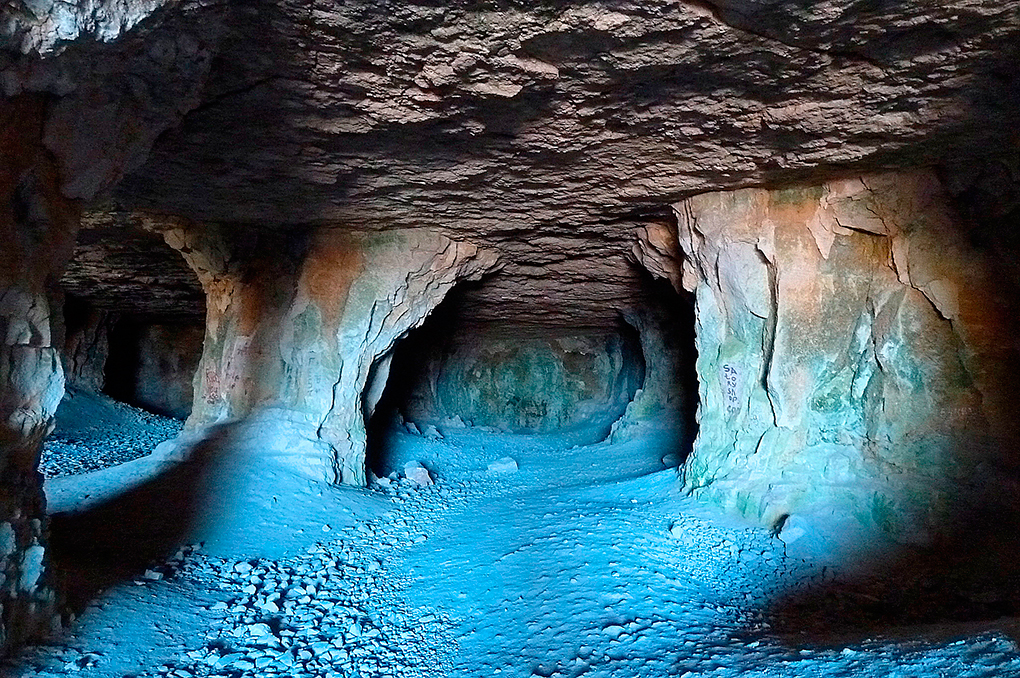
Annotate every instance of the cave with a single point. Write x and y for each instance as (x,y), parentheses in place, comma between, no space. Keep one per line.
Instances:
(466,367)
(129,352)
(534,339)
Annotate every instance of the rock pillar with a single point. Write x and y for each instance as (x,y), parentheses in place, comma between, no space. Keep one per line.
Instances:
(295,332)
(37,229)
(856,352)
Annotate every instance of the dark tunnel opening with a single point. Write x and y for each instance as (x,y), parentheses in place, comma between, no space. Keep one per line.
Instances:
(632,381)
(666,323)
(151,365)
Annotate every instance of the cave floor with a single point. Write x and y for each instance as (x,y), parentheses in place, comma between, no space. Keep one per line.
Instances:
(94,431)
(586,561)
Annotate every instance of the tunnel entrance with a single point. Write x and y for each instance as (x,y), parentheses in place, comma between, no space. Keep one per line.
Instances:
(130,341)
(124,392)
(665,321)
(633,381)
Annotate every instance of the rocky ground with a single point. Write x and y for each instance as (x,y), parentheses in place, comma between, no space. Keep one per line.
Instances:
(94,432)
(571,560)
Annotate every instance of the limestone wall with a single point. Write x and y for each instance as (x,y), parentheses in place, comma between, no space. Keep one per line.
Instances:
(299,326)
(529,383)
(856,352)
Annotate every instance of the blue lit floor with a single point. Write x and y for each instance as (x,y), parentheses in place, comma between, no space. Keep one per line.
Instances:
(566,567)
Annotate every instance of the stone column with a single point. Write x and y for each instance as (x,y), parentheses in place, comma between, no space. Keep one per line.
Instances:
(37,229)
(294,330)
(856,352)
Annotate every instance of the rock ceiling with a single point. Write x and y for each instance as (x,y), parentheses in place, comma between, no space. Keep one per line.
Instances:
(551,130)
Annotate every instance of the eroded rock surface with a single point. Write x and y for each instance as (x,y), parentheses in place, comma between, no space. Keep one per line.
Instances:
(552,131)
(37,227)
(86,345)
(299,326)
(537,384)
(853,351)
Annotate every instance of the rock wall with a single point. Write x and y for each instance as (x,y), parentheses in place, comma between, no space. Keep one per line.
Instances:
(542,383)
(298,326)
(153,365)
(69,129)
(37,227)
(856,353)
(86,345)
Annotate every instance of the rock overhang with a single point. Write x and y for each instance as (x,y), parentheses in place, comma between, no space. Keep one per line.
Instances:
(552,131)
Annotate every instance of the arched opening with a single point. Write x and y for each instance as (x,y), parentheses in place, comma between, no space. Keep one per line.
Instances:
(131,341)
(455,382)
(665,410)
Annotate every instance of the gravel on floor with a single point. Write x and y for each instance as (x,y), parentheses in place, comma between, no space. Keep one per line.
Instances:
(573,561)
(94,432)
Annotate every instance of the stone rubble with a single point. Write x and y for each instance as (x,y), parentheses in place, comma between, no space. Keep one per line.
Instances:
(93,445)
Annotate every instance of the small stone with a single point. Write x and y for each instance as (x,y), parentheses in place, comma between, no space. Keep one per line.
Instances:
(671,460)
(613,631)
(503,465)
(417,474)
(228,660)
(454,422)
(793,528)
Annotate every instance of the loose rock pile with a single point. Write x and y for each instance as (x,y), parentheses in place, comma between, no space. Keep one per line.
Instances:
(310,615)
(332,611)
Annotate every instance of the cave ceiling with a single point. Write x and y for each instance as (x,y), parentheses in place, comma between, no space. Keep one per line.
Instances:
(552,130)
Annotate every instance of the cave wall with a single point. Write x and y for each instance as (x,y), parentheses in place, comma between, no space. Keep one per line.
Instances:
(37,227)
(542,383)
(153,365)
(856,352)
(134,360)
(297,326)
(86,345)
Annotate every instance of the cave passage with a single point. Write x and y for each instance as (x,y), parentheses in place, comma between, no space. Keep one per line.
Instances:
(523,517)
(498,377)
(565,340)
(128,387)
